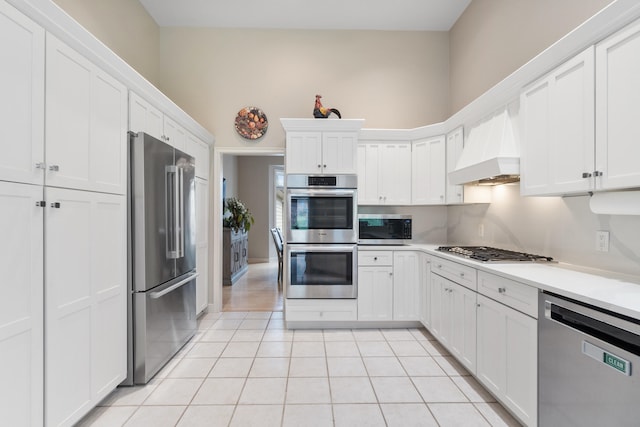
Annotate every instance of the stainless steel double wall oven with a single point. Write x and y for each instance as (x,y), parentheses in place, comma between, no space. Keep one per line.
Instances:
(322,236)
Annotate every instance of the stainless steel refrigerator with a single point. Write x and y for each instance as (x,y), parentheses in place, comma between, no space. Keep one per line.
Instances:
(162,309)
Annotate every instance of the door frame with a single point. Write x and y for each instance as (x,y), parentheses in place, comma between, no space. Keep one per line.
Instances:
(216,175)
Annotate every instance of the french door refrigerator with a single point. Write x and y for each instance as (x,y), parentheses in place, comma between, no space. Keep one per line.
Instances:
(162,312)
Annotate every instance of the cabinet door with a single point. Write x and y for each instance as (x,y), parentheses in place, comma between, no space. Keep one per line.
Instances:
(618,94)
(428,171)
(22,100)
(406,285)
(558,131)
(339,152)
(85,307)
(455,144)
(202,243)
(21,299)
(144,117)
(86,123)
(394,178)
(463,325)
(368,171)
(375,293)
(304,152)
(425,289)
(438,303)
(200,152)
(174,134)
(507,357)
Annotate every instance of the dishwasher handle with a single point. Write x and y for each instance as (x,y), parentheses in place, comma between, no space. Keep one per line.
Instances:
(603,331)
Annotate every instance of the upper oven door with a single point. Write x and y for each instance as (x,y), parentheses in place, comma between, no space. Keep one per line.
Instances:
(322,216)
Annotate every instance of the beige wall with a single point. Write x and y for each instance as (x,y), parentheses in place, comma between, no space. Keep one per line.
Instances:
(493,38)
(122,25)
(391,79)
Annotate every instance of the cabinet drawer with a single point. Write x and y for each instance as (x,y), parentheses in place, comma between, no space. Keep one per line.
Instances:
(516,295)
(466,276)
(321,310)
(375,258)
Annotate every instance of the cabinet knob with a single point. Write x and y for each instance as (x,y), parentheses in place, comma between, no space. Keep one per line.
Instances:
(502,290)
(375,258)
(55,205)
(439,265)
(319,166)
(478,305)
(586,175)
(41,203)
(597,173)
(390,273)
(40,165)
(54,168)
(461,274)
(324,166)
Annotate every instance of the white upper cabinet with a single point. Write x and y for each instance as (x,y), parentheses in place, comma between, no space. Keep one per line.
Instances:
(22,100)
(144,117)
(304,152)
(558,130)
(618,110)
(455,144)
(86,123)
(384,173)
(428,171)
(200,151)
(315,152)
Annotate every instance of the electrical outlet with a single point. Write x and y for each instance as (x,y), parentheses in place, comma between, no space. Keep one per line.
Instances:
(481,230)
(602,241)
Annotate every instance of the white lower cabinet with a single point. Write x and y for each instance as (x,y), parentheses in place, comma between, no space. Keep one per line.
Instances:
(389,285)
(21,299)
(321,310)
(406,285)
(425,291)
(507,357)
(375,293)
(453,319)
(85,301)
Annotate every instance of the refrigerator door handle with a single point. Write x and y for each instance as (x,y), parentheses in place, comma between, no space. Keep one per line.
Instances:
(171,183)
(159,294)
(180,226)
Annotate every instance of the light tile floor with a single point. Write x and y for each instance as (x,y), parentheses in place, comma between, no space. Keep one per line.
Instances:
(244,369)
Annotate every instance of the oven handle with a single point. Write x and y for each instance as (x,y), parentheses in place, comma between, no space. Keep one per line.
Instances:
(330,247)
(321,193)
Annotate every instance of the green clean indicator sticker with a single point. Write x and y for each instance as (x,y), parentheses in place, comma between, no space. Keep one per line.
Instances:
(615,362)
(603,356)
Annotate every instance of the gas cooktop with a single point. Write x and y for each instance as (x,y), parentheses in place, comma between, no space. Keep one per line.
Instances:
(488,254)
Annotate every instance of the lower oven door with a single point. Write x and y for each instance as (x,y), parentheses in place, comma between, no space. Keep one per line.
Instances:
(322,271)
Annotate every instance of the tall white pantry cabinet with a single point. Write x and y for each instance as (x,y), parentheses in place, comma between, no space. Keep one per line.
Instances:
(63,222)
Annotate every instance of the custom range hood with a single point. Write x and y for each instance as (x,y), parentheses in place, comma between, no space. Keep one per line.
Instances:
(491,153)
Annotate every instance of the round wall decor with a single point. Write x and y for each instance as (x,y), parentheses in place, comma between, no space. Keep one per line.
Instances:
(251,123)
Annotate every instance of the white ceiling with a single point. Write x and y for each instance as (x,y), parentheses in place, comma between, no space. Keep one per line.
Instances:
(407,15)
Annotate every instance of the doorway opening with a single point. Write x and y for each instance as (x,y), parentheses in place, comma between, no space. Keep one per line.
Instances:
(256,178)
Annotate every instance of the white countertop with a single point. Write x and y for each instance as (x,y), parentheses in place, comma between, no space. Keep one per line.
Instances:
(609,290)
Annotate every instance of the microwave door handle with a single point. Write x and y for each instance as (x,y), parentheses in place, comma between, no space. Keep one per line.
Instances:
(170,211)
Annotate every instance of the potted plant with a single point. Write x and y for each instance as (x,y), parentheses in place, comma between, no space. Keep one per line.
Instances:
(236,215)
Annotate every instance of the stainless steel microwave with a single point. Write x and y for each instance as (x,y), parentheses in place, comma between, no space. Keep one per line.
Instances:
(390,229)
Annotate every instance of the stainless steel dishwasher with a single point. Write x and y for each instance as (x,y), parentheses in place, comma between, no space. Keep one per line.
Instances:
(588,365)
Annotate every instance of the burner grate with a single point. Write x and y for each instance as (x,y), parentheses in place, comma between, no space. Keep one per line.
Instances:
(489,254)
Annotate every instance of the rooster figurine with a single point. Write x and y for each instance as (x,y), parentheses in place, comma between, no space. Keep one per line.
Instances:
(319,112)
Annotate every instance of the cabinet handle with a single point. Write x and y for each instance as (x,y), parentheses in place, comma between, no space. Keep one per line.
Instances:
(502,290)
(586,175)
(597,173)
(41,203)
(54,168)
(55,205)
(235,256)
(41,165)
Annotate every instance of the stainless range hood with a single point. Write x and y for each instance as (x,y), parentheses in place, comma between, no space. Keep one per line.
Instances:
(491,153)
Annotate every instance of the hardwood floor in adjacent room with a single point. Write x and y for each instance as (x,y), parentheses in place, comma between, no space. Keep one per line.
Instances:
(257,290)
